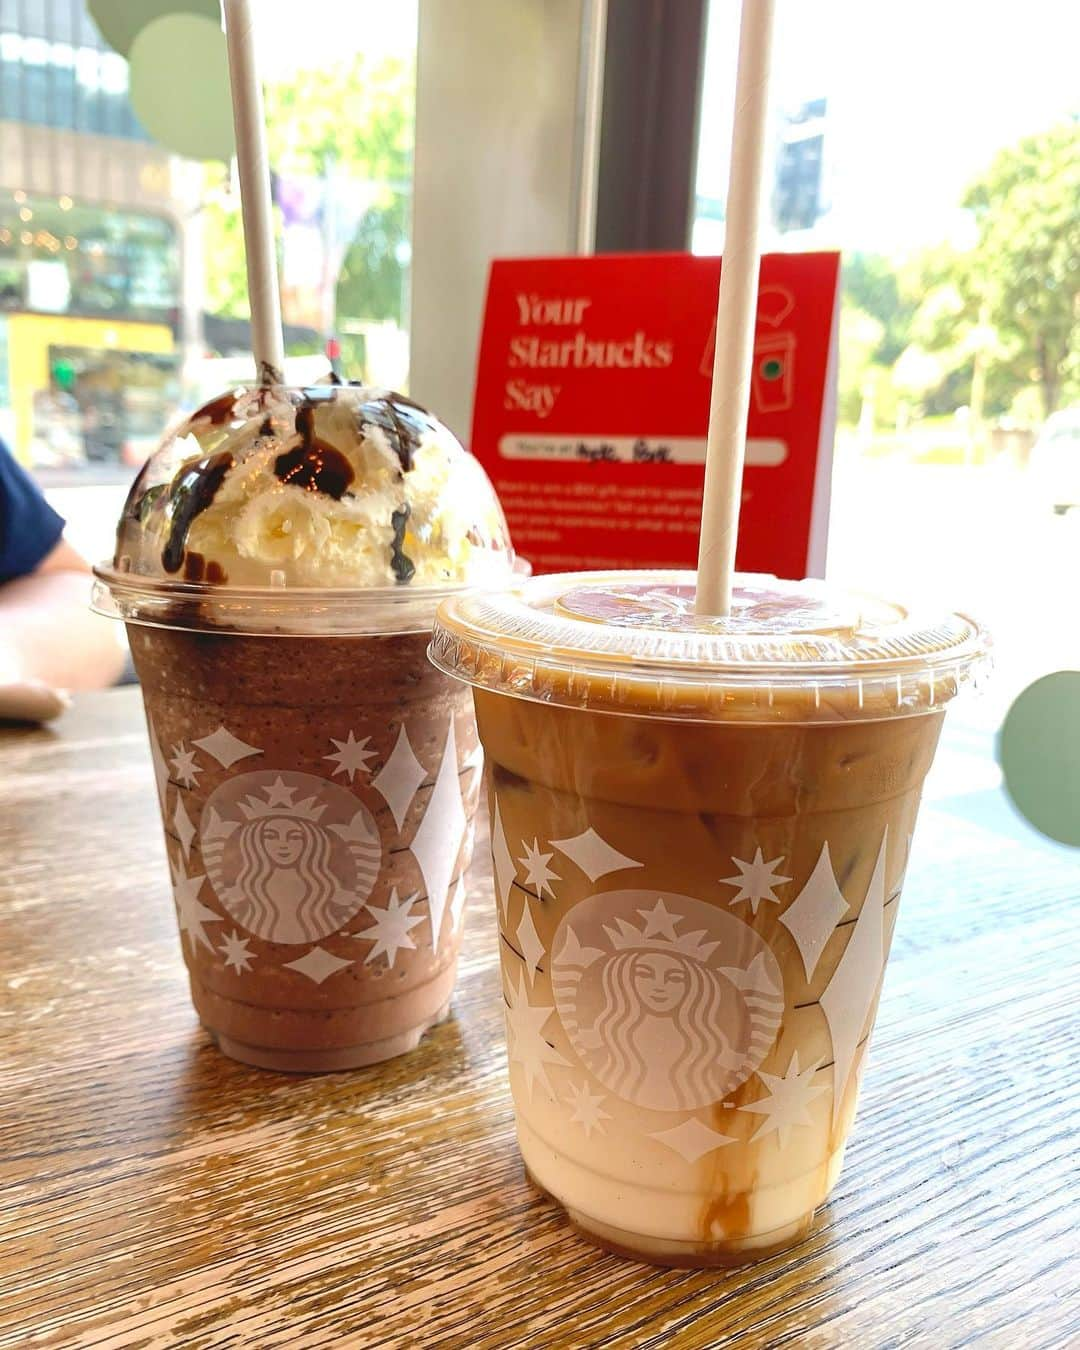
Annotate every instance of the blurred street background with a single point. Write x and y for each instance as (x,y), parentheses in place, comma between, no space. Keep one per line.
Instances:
(936,145)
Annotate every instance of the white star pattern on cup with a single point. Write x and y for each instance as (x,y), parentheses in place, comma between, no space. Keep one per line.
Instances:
(161,769)
(184,766)
(279,793)
(235,951)
(390,932)
(226,748)
(457,903)
(318,964)
(756,881)
(399,778)
(537,873)
(788,1099)
(659,921)
(185,831)
(351,756)
(192,915)
(594,855)
(692,1140)
(501,860)
(525,1035)
(850,994)
(532,949)
(436,845)
(586,1109)
(812,916)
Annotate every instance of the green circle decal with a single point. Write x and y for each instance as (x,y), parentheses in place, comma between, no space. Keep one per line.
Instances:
(1039,750)
(180,86)
(772,369)
(121,21)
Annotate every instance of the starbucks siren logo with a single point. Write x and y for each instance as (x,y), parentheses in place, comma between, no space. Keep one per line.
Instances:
(665,1018)
(291,856)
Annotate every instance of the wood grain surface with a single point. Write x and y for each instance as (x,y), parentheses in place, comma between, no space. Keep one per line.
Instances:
(156,1194)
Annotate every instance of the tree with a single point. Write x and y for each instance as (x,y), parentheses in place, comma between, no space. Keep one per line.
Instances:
(1002,317)
(1026,264)
(861,336)
(370,284)
(936,368)
(875,322)
(350,122)
(355,117)
(225,287)
(871,284)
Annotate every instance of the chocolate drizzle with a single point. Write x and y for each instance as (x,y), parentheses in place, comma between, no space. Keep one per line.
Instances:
(403,567)
(196,568)
(403,421)
(193,489)
(314,464)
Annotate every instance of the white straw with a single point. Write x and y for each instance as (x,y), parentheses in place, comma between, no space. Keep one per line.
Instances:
(736,311)
(254,168)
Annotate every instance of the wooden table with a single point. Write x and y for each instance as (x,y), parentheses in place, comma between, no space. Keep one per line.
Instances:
(157,1194)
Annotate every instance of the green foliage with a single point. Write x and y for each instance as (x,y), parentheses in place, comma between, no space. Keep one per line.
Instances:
(870,283)
(354,122)
(1026,265)
(861,337)
(355,117)
(935,368)
(1011,302)
(223,245)
(1013,299)
(372,277)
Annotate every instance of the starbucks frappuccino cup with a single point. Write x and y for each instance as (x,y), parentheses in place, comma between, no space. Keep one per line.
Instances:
(278,565)
(699,835)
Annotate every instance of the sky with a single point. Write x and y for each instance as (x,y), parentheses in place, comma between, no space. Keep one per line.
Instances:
(285,46)
(921,94)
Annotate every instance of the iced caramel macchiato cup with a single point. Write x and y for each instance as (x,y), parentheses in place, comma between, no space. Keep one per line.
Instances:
(699,835)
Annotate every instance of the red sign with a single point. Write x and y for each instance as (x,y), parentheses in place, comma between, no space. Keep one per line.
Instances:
(592,403)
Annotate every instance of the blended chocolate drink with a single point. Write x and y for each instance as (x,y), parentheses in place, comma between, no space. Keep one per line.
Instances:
(278,564)
(699,832)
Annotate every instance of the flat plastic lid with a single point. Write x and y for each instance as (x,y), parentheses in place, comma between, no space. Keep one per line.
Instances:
(264,612)
(630,642)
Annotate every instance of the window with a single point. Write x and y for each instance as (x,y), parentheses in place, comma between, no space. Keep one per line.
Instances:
(938,146)
(122,281)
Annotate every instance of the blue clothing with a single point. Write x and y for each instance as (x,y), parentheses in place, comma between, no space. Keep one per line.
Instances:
(29,528)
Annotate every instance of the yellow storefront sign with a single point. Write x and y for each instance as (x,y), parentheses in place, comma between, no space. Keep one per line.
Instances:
(30,337)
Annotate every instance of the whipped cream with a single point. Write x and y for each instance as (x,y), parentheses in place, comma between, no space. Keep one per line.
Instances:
(333,486)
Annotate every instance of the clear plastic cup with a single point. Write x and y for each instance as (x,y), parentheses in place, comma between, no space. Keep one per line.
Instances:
(699,833)
(317,777)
